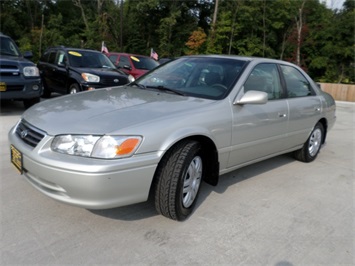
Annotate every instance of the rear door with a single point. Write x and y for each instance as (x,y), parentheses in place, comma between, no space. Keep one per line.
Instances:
(46,67)
(304,105)
(60,72)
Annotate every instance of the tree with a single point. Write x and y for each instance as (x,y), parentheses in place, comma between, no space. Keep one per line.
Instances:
(196,41)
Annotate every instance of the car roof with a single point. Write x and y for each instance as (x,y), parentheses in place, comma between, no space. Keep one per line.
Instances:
(243,58)
(128,54)
(71,48)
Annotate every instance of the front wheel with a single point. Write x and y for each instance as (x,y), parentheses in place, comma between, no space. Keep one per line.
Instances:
(178,180)
(312,146)
(74,88)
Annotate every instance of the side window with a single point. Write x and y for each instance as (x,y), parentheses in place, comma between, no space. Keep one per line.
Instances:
(265,77)
(44,57)
(113,58)
(297,85)
(123,61)
(61,58)
(52,56)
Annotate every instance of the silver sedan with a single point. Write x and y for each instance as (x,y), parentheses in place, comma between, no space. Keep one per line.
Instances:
(185,122)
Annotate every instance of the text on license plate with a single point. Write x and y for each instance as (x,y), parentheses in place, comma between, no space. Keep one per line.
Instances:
(2,86)
(16,158)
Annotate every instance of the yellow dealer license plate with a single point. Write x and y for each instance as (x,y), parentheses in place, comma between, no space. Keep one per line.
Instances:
(2,86)
(16,158)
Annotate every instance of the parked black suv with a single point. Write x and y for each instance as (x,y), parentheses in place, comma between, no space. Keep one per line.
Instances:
(70,70)
(19,77)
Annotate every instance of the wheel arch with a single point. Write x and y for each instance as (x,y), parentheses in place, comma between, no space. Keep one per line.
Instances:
(324,123)
(70,82)
(209,156)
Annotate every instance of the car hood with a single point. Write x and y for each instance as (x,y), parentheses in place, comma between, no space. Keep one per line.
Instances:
(4,59)
(107,110)
(101,71)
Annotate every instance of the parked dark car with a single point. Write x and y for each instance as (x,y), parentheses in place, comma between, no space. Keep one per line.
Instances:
(19,77)
(133,64)
(71,70)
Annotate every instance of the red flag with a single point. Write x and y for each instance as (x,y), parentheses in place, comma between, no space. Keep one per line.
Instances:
(153,54)
(104,48)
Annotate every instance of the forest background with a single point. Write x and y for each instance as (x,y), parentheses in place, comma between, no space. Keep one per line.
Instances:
(305,32)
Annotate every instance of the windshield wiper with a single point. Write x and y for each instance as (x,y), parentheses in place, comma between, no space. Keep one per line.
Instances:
(137,84)
(163,88)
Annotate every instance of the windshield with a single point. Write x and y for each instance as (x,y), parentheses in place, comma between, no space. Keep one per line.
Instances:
(89,59)
(204,77)
(145,63)
(8,47)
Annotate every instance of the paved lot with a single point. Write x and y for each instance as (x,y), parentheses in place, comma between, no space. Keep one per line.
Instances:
(278,212)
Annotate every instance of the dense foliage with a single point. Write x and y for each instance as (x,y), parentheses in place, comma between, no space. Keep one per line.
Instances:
(306,32)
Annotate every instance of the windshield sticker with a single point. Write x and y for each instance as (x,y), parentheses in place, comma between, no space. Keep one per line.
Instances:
(135,58)
(75,53)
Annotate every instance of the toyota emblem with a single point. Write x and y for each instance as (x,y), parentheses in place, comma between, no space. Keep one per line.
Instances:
(24,133)
(116,80)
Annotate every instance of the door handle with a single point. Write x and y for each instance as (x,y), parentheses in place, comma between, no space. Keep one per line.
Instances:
(282,115)
(317,109)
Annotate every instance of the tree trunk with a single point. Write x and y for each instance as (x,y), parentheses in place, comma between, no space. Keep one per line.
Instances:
(299,24)
(232,30)
(264,27)
(78,4)
(214,20)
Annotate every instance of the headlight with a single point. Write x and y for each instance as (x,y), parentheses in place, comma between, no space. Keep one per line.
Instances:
(105,147)
(30,71)
(90,77)
(131,78)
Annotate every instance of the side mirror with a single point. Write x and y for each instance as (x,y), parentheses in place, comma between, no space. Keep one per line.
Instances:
(27,54)
(253,97)
(127,67)
(62,64)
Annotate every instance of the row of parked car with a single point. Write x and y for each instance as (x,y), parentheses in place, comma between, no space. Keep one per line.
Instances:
(64,70)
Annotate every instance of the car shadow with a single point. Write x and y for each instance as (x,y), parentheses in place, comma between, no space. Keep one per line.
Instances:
(146,209)
(11,108)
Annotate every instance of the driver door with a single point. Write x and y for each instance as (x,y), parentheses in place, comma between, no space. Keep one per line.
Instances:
(259,130)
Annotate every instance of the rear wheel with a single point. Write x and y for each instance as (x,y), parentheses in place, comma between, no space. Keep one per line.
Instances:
(312,146)
(178,180)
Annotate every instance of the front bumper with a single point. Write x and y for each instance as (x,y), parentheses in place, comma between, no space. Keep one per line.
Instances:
(86,182)
(21,89)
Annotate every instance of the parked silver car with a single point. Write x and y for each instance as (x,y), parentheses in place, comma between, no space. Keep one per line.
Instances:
(189,120)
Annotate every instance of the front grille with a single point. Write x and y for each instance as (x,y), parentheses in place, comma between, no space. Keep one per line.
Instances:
(9,71)
(29,134)
(110,81)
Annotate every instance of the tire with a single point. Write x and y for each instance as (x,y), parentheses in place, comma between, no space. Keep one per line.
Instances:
(312,146)
(46,91)
(178,180)
(74,88)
